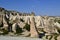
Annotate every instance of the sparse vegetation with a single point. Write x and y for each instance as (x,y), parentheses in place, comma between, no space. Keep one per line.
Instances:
(4,32)
(18,30)
(27,27)
(59,21)
(58,30)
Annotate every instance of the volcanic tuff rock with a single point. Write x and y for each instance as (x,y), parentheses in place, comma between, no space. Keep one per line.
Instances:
(29,25)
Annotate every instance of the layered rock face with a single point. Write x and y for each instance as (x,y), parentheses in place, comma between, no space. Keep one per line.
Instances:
(28,25)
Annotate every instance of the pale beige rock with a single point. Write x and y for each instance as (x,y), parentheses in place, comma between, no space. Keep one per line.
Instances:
(26,33)
(33,29)
(5,25)
(14,27)
(58,38)
(49,26)
(21,24)
(57,24)
(46,24)
(39,22)
(27,19)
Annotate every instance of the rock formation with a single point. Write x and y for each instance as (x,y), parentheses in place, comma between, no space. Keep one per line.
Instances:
(33,29)
(29,25)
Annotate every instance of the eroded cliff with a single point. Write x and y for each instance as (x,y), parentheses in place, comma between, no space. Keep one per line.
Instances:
(29,25)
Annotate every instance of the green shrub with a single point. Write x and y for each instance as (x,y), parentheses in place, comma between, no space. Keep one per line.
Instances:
(59,30)
(4,32)
(59,21)
(27,27)
(18,30)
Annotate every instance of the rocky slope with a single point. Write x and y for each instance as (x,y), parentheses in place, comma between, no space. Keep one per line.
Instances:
(24,24)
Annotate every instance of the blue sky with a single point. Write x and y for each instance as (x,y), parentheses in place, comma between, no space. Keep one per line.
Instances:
(40,7)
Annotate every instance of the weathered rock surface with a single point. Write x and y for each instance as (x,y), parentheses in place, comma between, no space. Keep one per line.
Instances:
(33,29)
(48,25)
